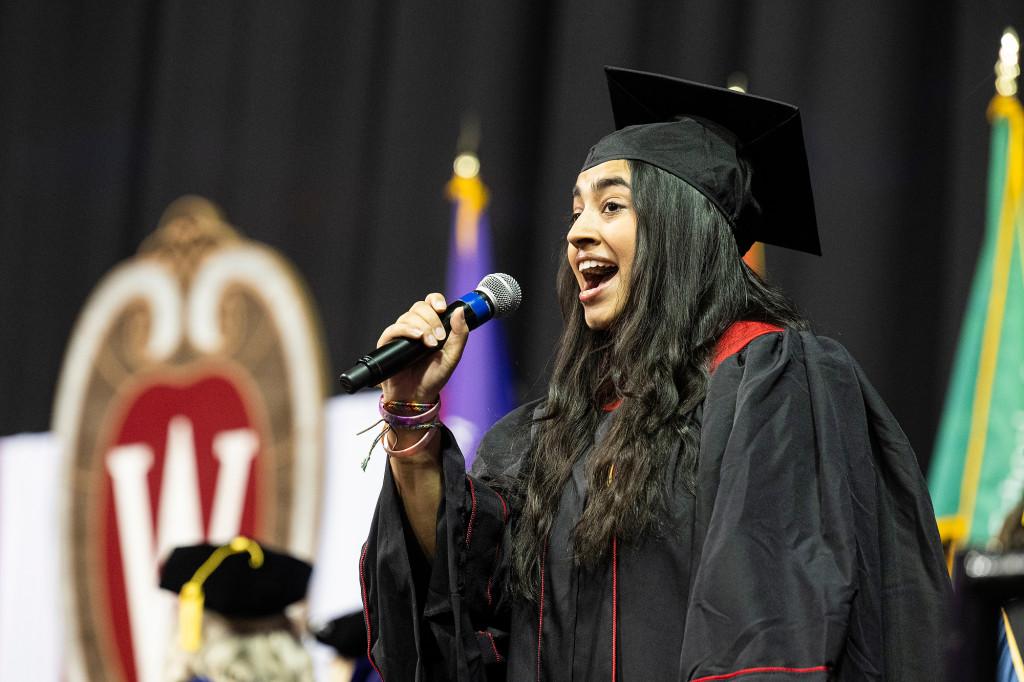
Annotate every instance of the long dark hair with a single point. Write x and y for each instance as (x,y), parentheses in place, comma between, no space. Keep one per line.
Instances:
(687,286)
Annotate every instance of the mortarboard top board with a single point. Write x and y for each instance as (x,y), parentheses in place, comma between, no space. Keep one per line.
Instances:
(234,587)
(743,152)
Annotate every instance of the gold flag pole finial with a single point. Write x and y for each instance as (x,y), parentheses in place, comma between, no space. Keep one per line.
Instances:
(466,188)
(467,165)
(1008,68)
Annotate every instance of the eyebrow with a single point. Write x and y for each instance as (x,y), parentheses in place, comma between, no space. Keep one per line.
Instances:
(603,184)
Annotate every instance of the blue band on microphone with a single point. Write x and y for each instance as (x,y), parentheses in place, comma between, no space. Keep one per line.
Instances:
(478,304)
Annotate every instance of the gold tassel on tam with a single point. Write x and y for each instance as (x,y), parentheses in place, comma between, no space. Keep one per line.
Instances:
(190,610)
(190,615)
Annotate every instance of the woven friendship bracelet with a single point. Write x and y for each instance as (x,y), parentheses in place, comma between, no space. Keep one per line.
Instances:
(399,407)
(400,421)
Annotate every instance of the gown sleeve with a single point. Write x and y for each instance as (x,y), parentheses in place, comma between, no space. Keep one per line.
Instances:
(448,620)
(820,558)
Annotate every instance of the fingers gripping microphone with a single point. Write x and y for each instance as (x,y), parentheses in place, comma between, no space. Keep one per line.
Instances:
(497,295)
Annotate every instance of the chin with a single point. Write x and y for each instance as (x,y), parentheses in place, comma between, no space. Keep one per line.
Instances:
(596,322)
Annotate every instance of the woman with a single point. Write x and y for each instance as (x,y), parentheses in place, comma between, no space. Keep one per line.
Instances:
(709,491)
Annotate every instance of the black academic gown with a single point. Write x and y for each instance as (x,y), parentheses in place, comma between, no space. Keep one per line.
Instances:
(808,552)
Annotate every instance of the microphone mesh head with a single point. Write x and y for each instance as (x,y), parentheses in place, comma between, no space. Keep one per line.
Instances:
(504,292)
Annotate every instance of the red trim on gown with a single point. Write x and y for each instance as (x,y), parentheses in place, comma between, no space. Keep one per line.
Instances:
(736,338)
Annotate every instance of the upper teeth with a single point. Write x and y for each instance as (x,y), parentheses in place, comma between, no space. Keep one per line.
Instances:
(590,264)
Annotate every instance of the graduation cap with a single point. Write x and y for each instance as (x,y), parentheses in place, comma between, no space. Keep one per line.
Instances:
(237,580)
(347,634)
(744,153)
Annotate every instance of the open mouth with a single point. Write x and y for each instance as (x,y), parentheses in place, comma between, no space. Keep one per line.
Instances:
(595,274)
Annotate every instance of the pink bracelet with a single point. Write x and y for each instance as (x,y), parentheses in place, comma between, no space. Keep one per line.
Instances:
(419,445)
(423,417)
(399,421)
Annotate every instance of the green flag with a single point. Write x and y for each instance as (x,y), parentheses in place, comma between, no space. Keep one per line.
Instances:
(977,471)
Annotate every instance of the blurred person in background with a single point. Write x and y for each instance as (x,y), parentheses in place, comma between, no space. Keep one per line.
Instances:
(233,626)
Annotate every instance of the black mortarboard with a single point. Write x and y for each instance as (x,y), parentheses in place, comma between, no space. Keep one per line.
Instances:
(235,588)
(238,580)
(347,634)
(744,153)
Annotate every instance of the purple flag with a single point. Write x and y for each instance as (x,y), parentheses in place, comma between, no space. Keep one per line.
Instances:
(480,392)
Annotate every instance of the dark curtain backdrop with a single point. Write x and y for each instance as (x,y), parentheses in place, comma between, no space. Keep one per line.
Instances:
(327,129)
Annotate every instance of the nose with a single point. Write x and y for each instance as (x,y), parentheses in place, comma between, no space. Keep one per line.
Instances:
(582,232)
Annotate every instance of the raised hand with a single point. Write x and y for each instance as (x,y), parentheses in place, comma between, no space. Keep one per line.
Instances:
(422,381)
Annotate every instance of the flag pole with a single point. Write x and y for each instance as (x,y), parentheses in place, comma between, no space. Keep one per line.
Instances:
(1004,105)
(974,478)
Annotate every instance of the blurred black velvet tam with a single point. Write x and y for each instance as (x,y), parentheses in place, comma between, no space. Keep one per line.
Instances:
(235,589)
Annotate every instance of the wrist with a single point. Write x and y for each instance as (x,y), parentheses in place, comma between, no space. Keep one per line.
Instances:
(409,415)
(410,428)
(398,438)
(412,455)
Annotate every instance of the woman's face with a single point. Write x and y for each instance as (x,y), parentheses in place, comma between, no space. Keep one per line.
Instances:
(602,240)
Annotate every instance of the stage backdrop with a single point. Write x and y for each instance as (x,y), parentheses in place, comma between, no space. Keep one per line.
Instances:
(327,130)
(188,411)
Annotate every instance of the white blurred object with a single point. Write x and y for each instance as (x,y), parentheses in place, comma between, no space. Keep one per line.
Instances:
(31,619)
(350,497)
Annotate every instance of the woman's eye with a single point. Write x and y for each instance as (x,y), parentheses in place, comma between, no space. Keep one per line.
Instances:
(612,206)
(574,217)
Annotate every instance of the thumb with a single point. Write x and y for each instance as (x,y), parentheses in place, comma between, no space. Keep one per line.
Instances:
(458,335)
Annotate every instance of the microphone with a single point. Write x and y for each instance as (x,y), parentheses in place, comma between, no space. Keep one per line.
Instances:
(497,295)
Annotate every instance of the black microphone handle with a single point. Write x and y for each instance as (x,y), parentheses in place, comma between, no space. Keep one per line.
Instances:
(397,354)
